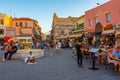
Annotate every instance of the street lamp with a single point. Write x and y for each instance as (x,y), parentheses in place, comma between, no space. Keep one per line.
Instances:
(98,3)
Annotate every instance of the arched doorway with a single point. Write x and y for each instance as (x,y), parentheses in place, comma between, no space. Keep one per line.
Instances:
(98,27)
(98,31)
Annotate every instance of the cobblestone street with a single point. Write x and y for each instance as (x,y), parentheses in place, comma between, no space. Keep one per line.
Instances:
(59,67)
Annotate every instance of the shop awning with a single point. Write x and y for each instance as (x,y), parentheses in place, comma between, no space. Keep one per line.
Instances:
(75,35)
(71,36)
(79,30)
(23,37)
(108,32)
(89,34)
(117,32)
(62,37)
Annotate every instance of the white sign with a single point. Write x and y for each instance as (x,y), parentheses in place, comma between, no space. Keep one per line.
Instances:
(117,26)
(10,32)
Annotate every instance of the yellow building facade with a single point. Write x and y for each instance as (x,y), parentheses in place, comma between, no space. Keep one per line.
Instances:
(79,28)
(80,25)
(5,21)
(8,21)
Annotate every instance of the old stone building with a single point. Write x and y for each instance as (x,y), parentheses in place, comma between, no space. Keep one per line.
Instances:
(62,27)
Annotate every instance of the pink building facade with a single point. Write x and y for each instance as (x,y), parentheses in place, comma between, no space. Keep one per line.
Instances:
(103,16)
(102,22)
(24,28)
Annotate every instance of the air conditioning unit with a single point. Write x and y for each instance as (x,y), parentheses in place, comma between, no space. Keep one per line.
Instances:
(117,26)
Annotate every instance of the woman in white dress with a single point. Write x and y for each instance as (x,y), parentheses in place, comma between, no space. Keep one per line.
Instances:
(56,47)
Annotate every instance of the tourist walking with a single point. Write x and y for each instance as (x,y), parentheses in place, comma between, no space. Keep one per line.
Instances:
(70,45)
(47,45)
(42,45)
(56,47)
(17,45)
(37,45)
(79,53)
(59,46)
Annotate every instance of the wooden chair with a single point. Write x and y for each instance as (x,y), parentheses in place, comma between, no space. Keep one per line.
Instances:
(110,63)
(100,59)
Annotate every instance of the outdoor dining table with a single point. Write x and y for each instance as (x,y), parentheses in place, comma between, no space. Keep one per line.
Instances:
(93,52)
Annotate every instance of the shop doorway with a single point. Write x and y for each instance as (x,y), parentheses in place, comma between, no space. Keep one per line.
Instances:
(98,30)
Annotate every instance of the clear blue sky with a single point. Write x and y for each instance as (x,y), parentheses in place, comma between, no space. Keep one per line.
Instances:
(42,10)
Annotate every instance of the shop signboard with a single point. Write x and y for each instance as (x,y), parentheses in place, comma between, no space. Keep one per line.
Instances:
(10,32)
(108,27)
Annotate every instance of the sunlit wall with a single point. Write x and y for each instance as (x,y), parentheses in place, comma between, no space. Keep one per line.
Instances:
(8,21)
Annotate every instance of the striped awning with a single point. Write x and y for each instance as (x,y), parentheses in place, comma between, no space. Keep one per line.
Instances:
(117,32)
(23,37)
(70,36)
(75,35)
(108,32)
(62,37)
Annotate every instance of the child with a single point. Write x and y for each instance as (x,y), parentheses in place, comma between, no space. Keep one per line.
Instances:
(31,58)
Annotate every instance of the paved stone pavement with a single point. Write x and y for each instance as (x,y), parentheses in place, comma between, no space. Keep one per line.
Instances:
(61,67)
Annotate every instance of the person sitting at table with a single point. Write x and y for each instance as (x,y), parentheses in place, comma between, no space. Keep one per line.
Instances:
(113,59)
(101,49)
(116,55)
